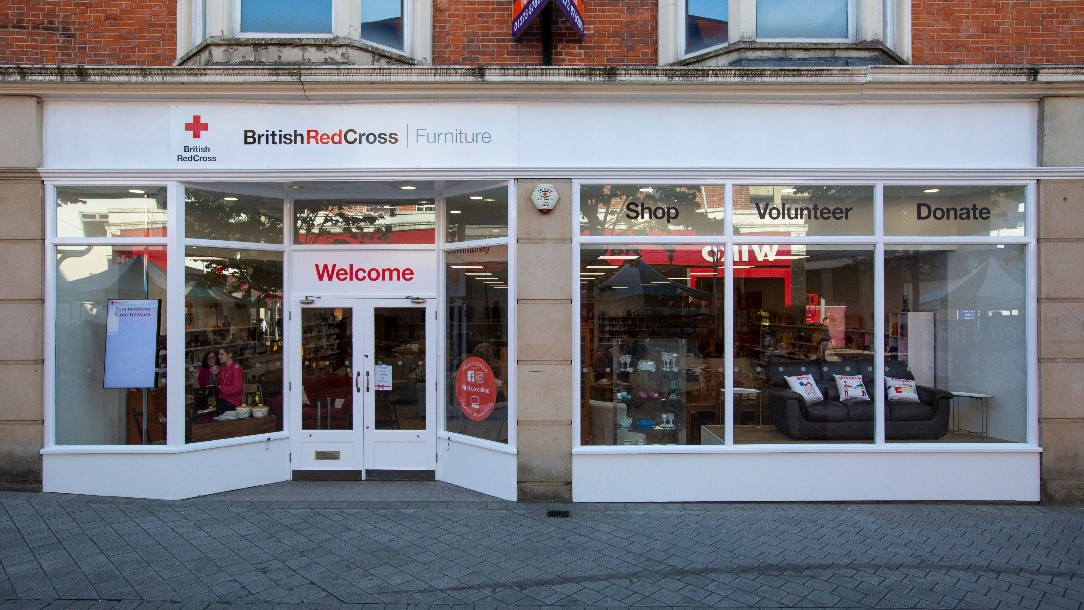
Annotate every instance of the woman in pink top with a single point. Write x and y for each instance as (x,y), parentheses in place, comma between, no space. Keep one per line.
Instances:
(231,380)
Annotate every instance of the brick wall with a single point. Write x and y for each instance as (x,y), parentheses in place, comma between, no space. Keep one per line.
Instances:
(92,32)
(473,32)
(997,32)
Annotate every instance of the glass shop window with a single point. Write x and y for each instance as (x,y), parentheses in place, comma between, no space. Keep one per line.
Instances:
(87,412)
(652,332)
(365,221)
(382,23)
(477,349)
(111,211)
(630,209)
(803,210)
(931,211)
(955,344)
(232,216)
(233,310)
(803,344)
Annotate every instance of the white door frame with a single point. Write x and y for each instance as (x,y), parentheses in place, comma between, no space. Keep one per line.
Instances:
(374,453)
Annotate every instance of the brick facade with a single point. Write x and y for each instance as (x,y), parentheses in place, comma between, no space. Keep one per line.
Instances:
(478,32)
(130,33)
(997,32)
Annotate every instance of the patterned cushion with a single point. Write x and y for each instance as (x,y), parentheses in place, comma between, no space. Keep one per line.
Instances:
(901,389)
(806,386)
(851,387)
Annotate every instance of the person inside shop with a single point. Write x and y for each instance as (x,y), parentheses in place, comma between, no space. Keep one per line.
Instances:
(231,381)
(205,385)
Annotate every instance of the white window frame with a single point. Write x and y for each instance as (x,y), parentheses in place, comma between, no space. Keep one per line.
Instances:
(887,21)
(198,20)
(879,241)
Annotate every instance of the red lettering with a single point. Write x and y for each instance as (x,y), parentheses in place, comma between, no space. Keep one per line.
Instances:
(327,273)
(311,136)
(337,137)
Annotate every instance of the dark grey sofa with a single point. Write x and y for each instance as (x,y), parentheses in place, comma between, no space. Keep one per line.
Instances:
(833,419)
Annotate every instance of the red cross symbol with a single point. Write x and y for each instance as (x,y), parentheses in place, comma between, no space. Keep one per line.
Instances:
(196,126)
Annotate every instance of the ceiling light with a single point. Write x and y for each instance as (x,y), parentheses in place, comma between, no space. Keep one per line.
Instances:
(602,267)
(647,189)
(136,191)
(592,273)
(296,187)
(455,211)
(479,273)
(619,287)
(467,266)
(932,191)
(476,198)
(702,273)
(788,190)
(408,187)
(617,257)
(489,199)
(229,199)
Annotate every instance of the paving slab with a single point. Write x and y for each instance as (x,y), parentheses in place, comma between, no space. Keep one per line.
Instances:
(310,544)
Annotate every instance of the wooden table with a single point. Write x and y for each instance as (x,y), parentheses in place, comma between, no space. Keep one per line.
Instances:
(214,430)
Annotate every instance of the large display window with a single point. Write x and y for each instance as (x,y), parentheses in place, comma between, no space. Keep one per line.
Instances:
(801,320)
(477,351)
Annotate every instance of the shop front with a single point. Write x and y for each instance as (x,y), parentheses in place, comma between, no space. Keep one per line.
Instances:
(787,302)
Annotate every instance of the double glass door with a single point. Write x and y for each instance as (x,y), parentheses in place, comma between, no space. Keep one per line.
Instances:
(366,400)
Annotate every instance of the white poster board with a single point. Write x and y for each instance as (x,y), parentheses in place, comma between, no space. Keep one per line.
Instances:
(131,343)
(383,377)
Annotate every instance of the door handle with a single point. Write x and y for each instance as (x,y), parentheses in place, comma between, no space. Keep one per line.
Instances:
(366,381)
(357,381)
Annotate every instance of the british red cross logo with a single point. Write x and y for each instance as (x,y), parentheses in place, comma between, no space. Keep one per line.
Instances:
(196,126)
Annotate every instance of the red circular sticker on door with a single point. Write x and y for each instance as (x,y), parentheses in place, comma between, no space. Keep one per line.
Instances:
(475,388)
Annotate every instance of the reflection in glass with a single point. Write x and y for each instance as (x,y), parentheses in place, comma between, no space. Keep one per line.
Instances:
(805,311)
(87,277)
(400,345)
(477,214)
(653,351)
(286,16)
(706,24)
(227,216)
(477,289)
(802,19)
(327,363)
(110,211)
(233,309)
(365,222)
(955,210)
(624,209)
(382,22)
(955,321)
(803,210)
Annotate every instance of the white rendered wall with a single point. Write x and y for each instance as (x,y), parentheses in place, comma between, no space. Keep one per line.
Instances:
(765,476)
(166,475)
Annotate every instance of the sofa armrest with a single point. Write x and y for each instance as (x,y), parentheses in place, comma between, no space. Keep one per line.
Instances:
(939,399)
(787,408)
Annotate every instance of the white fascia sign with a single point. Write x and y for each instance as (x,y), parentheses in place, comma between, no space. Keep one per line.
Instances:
(342,136)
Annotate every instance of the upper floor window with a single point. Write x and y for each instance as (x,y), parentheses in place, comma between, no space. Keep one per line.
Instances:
(698,27)
(285,17)
(382,22)
(362,32)
(803,19)
(706,24)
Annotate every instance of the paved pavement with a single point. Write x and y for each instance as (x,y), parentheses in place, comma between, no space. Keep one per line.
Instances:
(416,544)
